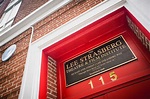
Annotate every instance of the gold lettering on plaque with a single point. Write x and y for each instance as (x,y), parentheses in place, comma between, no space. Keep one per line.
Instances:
(95,55)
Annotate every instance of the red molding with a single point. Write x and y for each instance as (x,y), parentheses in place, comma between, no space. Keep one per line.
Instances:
(114,21)
(43,77)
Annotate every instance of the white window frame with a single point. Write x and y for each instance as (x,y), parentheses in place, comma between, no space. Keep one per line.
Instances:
(9,14)
(2,3)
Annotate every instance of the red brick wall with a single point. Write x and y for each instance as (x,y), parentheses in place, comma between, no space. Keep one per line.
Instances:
(27,7)
(11,71)
(62,16)
(52,79)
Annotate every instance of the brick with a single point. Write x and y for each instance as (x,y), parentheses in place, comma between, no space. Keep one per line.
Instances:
(11,71)
(50,96)
(51,80)
(63,15)
(27,7)
(50,88)
(12,77)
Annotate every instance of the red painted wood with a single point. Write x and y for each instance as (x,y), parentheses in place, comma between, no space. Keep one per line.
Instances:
(43,77)
(83,36)
(125,73)
(93,35)
(136,91)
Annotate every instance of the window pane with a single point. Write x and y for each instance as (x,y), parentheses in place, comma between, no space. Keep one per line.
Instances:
(5,17)
(9,15)
(8,24)
(12,2)
(14,11)
(1,2)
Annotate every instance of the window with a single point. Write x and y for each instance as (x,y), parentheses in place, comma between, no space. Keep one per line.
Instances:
(9,14)
(1,2)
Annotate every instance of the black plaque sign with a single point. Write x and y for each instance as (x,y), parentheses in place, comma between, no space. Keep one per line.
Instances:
(98,60)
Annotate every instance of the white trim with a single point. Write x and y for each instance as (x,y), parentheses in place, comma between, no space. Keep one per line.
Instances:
(31,76)
(46,9)
(79,22)
(30,81)
(53,5)
(143,16)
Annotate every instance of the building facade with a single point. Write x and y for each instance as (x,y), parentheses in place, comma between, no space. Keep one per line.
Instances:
(72,49)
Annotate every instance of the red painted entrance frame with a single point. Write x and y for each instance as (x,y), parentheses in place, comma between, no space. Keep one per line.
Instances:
(59,51)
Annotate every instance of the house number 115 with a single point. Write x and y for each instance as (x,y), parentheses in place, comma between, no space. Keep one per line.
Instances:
(112,76)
